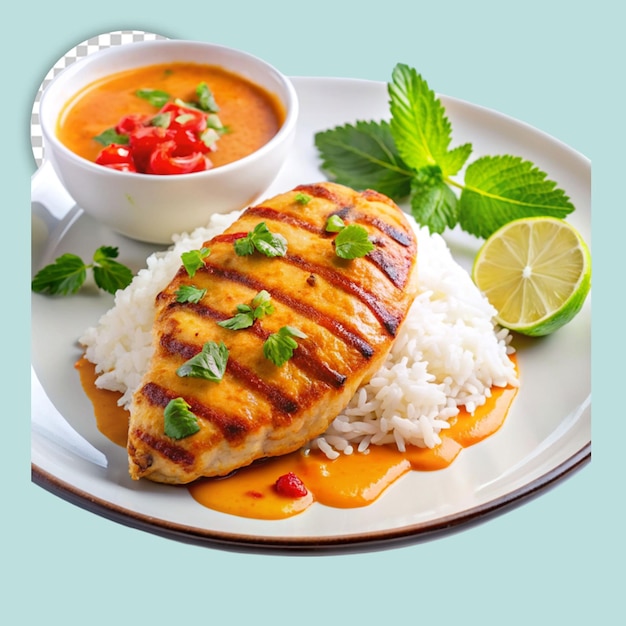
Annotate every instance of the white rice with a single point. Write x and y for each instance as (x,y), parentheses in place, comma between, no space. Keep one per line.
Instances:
(447,355)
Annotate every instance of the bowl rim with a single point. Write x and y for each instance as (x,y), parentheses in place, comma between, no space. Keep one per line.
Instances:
(290,103)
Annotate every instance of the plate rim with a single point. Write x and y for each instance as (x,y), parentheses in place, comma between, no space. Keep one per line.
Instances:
(338,543)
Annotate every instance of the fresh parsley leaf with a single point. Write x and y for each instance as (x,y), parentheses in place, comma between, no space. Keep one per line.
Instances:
(68,273)
(246,314)
(65,276)
(261,239)
(364,155)
(179,421)
(303,198)
(419,126)
(193,260)
(206,100)
(156,97)
(334,224)
(111,136)
(209,363)
(279,346)
(499,189)
(352,242)
(189,293)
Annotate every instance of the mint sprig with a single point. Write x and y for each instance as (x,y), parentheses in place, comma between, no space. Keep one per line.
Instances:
(260,238)
(209,363)
(178,420)
(68,273)
(411,157)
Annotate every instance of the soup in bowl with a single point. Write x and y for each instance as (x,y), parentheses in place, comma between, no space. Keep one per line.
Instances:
(151,138)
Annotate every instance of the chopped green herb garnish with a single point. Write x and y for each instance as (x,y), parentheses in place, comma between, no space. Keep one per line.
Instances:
(155,97)
(189,293)
(247,313)
(334,224)
(110,136)
(179,421)
(206,99)
(279,346)
(410,156)
(68,273)
(353,242)
(260,238)
(162,120)
(209,363)
(303,198)
(193,260)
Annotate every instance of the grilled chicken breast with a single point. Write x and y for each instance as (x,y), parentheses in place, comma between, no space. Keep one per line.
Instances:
(348,310)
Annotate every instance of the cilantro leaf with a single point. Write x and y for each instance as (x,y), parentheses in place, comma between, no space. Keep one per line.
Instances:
(246,314)
(110,136)
(352,242)
(432,201)
(419,126)
(193,260)
(179,421)
(189,293)
(156,97)
(364,155)
(68,273)
(334,224)
(209,363)
(260,238)
(499,189)
(279,346)
(65,276)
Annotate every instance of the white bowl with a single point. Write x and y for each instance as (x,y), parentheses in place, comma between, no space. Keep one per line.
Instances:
(151,207)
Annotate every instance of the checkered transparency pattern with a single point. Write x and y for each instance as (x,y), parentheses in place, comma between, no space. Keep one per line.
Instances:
(83,49)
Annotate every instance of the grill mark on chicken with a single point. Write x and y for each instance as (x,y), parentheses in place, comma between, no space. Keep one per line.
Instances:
(272,214)
(306,360)
(233,428)
(171,451)
(349,336)
(279,400)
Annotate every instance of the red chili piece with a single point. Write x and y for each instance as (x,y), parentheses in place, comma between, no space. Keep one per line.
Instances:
(291,486)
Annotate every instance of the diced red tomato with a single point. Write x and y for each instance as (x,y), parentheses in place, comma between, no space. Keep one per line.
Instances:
(165,160)
(155,149)
(291,486)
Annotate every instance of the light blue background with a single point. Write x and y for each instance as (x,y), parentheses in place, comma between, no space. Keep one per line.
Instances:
(555,65)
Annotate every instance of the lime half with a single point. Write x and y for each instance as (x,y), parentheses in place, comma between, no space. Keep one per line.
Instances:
(536,272)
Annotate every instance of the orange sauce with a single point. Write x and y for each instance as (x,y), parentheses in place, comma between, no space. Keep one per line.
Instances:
(349,481)
(252,115)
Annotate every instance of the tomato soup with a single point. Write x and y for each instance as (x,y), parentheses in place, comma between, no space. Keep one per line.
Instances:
(250,115)
(350,481)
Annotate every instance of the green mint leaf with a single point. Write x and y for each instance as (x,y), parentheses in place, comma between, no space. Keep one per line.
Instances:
(499,189)
(209,363)
(179,421)
(65,276)
(419,126)
(193,260)
(364,156)
(155,97)
(353,242)
(111,136)
(189,293)
(279,346)
(238,321)
(303,198)
(260,238)
(334,224)
(206,100)
(433,203)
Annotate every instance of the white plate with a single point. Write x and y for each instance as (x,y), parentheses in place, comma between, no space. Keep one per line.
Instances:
(546,436)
